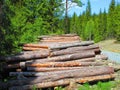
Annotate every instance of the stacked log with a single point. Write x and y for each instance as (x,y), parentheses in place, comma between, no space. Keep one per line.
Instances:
(60,38)
(49,64)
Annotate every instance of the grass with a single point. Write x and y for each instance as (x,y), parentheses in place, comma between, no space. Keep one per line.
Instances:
(98,86)
(110,85)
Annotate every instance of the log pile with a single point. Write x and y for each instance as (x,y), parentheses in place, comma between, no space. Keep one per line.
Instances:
(53,62)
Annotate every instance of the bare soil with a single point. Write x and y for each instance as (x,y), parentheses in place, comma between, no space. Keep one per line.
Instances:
(110,45)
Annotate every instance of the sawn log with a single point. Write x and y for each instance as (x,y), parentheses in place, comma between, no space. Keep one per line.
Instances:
(64,82)
(81,72)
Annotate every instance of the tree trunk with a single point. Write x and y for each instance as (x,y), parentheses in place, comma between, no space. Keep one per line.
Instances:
(27,56)
(101,57)
(64,82)
(79,55)
(81,72)
(75,50)
(22,64)
(32,49)
(63,64)
(36,46)
(62,46)
(59,45)
(63,35)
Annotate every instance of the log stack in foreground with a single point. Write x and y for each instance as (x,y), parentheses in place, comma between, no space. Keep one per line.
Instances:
(56,61)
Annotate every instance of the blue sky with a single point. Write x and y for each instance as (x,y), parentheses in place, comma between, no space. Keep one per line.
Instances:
(96,5)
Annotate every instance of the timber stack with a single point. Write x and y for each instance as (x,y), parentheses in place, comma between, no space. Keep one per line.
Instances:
(56,61)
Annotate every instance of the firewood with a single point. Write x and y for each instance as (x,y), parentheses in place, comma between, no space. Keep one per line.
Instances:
(63,82)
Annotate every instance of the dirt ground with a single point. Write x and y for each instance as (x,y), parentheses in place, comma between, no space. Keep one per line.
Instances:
(110,45)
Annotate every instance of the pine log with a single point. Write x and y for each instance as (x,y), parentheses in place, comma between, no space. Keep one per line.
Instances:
(57,75)
(63,64)
(22,64)
(76,49)
(63,40)
(27,56)
(50,69)
(84,47)
(101,57)
(79,55)
(32,49)
(36,46)
(64,82)
(81,72)
(59,45)
(64,35)
(62,46)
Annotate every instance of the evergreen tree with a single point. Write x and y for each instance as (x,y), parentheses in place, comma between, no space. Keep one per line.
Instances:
(73,26)
(89,30)
(111,21)
(79,3)
(104,18)
(88,10)
(117,22)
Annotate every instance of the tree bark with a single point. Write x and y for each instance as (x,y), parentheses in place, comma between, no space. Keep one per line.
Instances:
(23,64)
(95,48)
(64,64)
(101,57)
(32,49)
(81,72)
(59,45)
(79,55)
(63,35)
(27,56)
(50,69)
(62,46)
(36,46)
(63,40)
(64,82)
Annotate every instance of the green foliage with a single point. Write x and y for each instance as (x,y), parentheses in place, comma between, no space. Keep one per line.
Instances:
(89,30)
(117,22)
(111,21)
(24,20)
(98,86)
(97,27)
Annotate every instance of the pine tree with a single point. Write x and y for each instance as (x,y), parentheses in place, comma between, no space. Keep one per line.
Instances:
(111,21)
(89,30)
(117,22)
(73,26)
(104,18)
(88,10)
(79,3)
